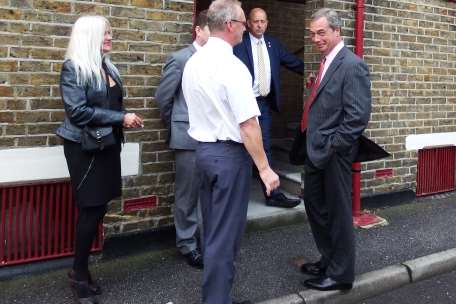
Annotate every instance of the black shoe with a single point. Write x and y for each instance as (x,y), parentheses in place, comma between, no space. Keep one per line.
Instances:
(314,269)
(94,288)
(194,259)
(243,302)
(82,293)
(280,200)
(326,283)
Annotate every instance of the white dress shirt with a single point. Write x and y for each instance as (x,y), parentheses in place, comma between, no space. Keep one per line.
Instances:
(330,57)
(196,45)
(218,92)
(267,63)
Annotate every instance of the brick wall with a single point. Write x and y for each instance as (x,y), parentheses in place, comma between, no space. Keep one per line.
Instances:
(410,50)
(34,35)
(409,47)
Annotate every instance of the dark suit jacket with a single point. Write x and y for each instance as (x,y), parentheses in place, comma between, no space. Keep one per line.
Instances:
(341,109)
(85,104)
(170,99)
(278,55)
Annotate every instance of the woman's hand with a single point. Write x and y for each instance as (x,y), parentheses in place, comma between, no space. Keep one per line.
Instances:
(131,120)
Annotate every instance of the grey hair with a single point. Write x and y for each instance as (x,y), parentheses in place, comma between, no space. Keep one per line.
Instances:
(221,11)
(331,15)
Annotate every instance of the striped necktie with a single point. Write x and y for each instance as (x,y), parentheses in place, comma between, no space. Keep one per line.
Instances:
(262,78)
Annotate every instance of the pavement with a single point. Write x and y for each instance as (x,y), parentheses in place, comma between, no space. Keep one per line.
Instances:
(418,243)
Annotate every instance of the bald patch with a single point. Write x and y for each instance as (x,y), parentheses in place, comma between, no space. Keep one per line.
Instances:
(258,10)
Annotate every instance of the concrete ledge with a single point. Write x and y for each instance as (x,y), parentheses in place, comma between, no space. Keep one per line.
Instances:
(278,218)
(377,282)
(431,265)
(289,299)
(365,286)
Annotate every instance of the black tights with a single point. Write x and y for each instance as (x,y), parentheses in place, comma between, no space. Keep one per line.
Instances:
(86,230)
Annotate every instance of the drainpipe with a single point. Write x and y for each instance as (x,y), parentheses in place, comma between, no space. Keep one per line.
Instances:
(359,28)
(360,219)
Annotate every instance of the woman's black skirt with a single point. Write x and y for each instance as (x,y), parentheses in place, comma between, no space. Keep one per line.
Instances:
(99,184)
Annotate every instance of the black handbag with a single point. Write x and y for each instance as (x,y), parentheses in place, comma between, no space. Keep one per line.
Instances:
(298,150)
(97,138)
(369,150)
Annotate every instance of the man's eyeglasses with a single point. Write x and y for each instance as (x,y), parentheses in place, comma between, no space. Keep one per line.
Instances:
(244,23)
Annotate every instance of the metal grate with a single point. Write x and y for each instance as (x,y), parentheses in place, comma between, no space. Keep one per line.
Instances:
(436,170)
(37,222)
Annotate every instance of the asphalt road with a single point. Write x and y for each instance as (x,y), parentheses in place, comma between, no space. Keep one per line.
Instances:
(147,269)
(437,290)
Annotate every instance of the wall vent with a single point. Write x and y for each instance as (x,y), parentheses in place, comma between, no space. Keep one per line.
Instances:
(37,222)
(436,170)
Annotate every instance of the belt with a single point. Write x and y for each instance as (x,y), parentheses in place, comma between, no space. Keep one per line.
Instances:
(229,142)
(265,98)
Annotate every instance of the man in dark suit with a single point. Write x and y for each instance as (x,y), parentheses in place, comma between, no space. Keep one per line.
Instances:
(263,55)
(174,112)
(335,115)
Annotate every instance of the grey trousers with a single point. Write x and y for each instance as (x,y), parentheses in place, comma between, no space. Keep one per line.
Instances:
(226,173)
(328,202)
(186,201)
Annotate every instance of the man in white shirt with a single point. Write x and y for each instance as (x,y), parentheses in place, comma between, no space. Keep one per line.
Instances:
(174,113)
(223,119)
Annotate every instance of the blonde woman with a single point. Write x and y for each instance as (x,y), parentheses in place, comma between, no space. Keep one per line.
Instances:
(92,130)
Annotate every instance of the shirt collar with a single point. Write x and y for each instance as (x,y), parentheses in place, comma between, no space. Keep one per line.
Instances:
(219,43)
(196,45)
(330,57)
(255,39)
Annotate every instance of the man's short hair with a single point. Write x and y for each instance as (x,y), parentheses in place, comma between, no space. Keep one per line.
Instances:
(201,19)
(331,15)
(221,11)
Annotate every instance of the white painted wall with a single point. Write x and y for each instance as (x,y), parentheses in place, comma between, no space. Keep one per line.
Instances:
(44,163)
(420,141)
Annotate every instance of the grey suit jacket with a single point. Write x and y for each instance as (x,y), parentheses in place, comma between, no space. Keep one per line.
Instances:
(341,109)
(170,99)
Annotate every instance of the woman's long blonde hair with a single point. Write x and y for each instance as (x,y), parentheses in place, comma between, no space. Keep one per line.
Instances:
(85,50)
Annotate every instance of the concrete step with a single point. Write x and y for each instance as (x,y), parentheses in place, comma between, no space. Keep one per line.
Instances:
(260,216)
(290,175)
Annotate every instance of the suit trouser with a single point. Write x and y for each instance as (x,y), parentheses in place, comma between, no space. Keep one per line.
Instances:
(226,172)
(328,202)
(186,201)
(265,121)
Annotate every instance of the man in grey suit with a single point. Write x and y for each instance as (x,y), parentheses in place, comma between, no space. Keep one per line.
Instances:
(334,117)
(174,112)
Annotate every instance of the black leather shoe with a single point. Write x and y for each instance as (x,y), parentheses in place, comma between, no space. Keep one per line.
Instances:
(314,269)
(94,288)
(326,283)
(243,302)
(280,200)
(82,293)
(194,259)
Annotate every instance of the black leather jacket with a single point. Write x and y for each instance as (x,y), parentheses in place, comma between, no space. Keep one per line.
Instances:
(84,105)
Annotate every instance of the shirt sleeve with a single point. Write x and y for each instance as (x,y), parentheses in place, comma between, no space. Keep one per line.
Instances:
(240,93)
